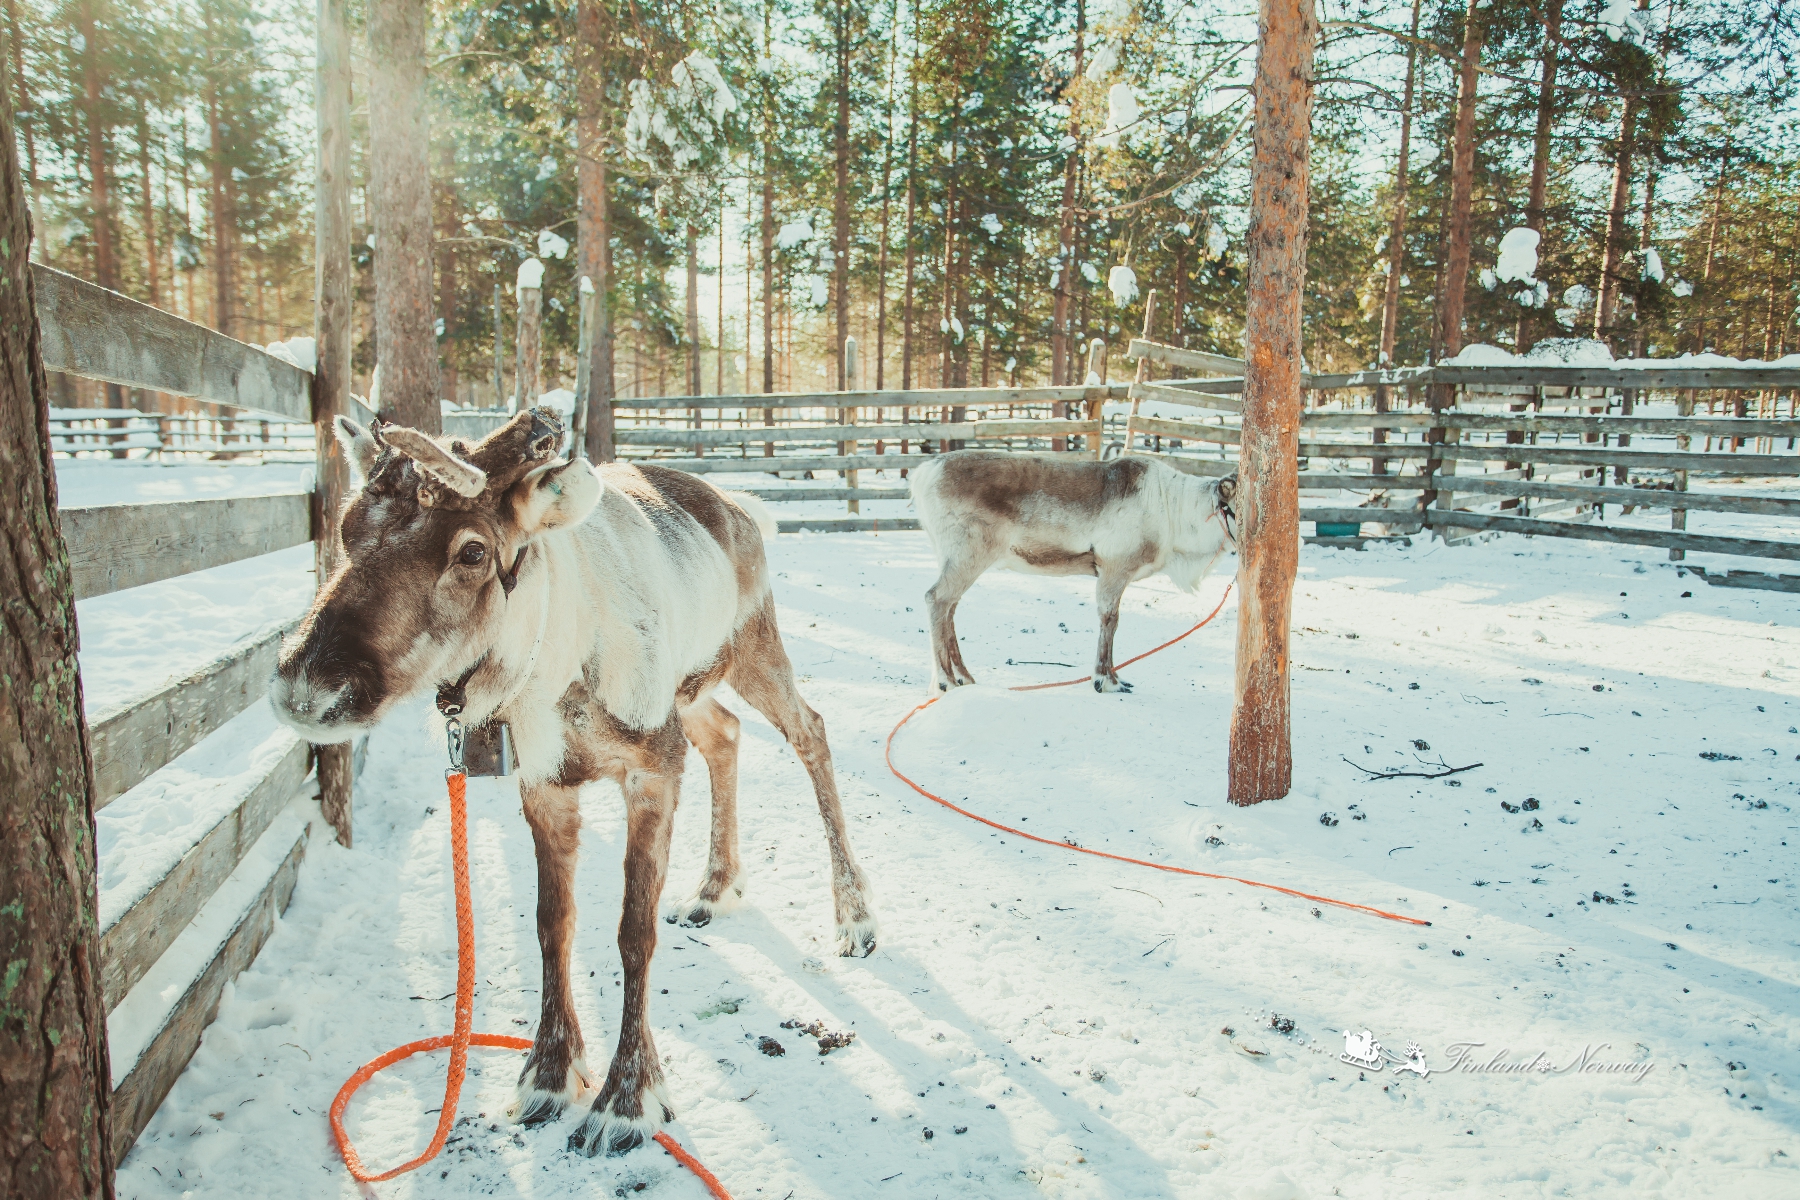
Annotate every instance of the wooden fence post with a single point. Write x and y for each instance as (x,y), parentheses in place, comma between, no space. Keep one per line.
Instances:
(499,375)
(526,384)
(1684,407)
(331,329)
(1143,376)
(1268,489)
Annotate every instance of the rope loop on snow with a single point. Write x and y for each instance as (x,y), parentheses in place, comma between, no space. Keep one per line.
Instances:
(1032,837)
(456,783)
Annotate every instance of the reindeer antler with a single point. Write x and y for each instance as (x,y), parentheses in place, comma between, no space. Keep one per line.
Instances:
(434,461)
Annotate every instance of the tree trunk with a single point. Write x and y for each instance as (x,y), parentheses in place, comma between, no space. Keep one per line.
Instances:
(1462,189)
(55,1082)
(1704,291)
(592,232)
(224,221)
(887,180)
(912,174)
(333,297)
(1390,304)
(1615,222)
(448,231)
(840,206)
(693,315)
(147,205)
(1267,498)
(1540,148)
(400,197)
(93,111)
(768,281)
(1060,340)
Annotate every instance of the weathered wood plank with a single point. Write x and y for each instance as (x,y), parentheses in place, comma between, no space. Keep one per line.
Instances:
(1616,377)
(917,398)
(135,741)
(847,524)
(1401,519)
(1392,483)
(1757,580)
(1726,464)
(1388,450)
(117,546)
(1190,397)
(1669,538)
(133,943)
(1642,497)
(1228,435)
(1366,420)
(136,1098)
(99,334)
(1666,426)
(827,493)
(1176,356)
(628,436)
(757,464)
(1393,377)
(1229,386)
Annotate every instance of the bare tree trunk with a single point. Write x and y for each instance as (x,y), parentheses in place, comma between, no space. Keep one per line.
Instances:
(1267,498)
(693,315)
(1060,340)
(1615,221)
(1390,301)
(1462,189)
(446,266)
(55,1083)
(333,297)
(106,271)
(887,180)
(840,206)
(1712,246)
(592,226)
(400,197)
(912,173)
(1540,147)
(147,205)
(224,221)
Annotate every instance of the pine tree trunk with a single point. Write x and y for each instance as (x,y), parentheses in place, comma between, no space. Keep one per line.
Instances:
(1462,190)
(887,181)
(910,268)
(1061,347)
(768,283)
(224,221)
(147,205)
(106,271)
(1540,148)
(591,225)
(840,206)
(400,200)
(1267,498)
(55,1081)
(1390,304)
(1703,294)
(1620,200)
(527,385)
(446,265)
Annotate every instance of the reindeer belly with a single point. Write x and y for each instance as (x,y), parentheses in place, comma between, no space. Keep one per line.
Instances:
(1048,559)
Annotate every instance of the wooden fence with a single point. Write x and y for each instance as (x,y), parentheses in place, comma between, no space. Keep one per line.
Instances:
(165,437)
(92,332)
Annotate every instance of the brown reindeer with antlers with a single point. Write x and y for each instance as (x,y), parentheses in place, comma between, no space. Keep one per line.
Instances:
(595,611)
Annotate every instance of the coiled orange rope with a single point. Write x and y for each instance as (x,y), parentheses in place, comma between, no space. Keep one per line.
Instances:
(1032,837)
(456,781)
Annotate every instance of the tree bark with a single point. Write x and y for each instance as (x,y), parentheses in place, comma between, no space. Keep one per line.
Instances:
(93,111)
(910,267)
(55,1081)
(446,266)
(887,180)
(400,200)
(693,315)
(1540,148)
(527,385)
(1060,341)
(1390,301)
(1462,189)
(592,224)
(1620,200)
(223,206)
(1267,497)
(333,296)
(840,206)
(147,205)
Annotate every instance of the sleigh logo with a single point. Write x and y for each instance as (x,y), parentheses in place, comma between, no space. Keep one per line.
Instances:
(1361,1050)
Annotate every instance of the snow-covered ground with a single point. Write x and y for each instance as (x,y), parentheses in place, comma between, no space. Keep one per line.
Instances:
(1042,1022)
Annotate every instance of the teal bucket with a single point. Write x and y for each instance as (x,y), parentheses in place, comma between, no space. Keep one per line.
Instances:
(1335,529)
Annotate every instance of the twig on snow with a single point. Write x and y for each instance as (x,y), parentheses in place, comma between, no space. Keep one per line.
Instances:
(1448,770)
(1117,888)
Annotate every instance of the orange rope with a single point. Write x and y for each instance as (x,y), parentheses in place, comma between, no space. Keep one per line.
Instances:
(459,1042)
(1032,837)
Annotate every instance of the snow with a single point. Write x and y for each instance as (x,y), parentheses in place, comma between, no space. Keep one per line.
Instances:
(1653,265)
(698,82)
(531,274)
(1117,1018)
(550,244)
(1518,258)
(1586,352)
(1682,288)
(303,352)
(1121,114)
(1102,62)
(797,232)
(991,223)
(587,286)
(1121,281)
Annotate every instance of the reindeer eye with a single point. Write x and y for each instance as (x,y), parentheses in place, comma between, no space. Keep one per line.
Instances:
(473,555)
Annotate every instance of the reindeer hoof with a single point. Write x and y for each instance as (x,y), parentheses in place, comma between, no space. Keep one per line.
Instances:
(857,939)
(534,1103)
(606,1129)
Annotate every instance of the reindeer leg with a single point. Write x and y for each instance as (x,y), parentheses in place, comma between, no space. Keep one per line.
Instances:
(957,576)
(555,1072)
(761,674)
(1107,592)
(714,731)
(631,1106)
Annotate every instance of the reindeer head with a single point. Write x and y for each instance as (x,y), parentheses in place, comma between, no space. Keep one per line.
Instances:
(433,541)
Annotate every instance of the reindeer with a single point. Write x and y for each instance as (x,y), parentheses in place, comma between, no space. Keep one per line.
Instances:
(595,611)
(1120,521)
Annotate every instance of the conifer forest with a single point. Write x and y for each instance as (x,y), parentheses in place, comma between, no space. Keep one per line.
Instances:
(973,189)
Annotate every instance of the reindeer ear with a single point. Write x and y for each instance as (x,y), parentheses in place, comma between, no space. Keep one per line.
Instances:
(436,463)
(360,448)
(555,496)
